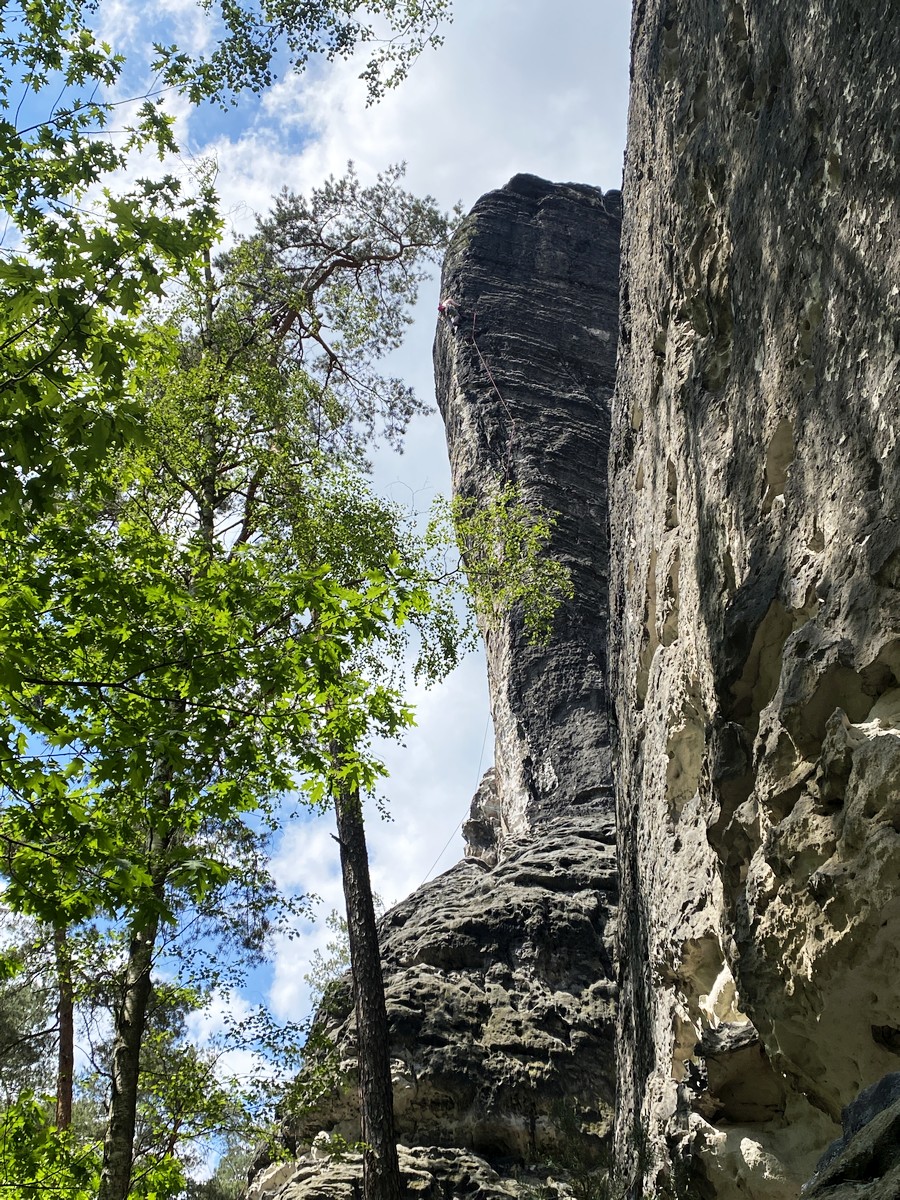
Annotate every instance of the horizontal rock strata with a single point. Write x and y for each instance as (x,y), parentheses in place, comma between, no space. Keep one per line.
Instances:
(525,367)
(498,975)
(428,1173)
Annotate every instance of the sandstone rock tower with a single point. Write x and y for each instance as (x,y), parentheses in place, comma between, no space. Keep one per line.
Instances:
(499,974)
(738,596)
(524,371)
(756,566)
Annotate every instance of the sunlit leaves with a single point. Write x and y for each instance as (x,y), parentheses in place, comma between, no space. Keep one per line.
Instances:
(503,541)
(40,1162)
(67,334)
(196,609)
(74,271)
(393,32)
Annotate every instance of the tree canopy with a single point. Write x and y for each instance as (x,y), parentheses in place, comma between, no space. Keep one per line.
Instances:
(78,264)
(191,634)
(204,606)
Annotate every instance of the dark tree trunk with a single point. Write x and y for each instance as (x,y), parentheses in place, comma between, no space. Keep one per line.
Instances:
(130,1025)
(131,1019)
(65,1069)
(381,1169)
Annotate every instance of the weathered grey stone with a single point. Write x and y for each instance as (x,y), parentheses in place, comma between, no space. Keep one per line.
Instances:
(498,975)
(524,370)
(501,1005)
(867,1165)
(481,831)
(427,1173)
(859,1112)
(755,583)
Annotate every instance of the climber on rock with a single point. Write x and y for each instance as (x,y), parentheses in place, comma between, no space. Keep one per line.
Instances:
(449,310)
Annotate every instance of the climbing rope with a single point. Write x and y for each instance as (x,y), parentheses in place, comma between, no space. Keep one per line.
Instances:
(507,464)
(465,814)
(489,373)
(449,311)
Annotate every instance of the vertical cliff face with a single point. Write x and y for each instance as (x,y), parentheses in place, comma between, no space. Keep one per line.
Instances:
(499,975)
(756,568)
(525,364)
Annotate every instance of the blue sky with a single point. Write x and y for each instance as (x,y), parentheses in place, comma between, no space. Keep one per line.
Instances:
(520,85)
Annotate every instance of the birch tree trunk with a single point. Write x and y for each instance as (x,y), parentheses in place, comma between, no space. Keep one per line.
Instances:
(130,1024)
(118,1144)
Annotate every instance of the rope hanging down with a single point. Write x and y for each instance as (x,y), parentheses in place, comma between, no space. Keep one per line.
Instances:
(449,310)
(463,817)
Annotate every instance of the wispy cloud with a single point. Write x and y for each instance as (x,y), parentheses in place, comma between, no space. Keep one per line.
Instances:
(515,88)
(506,93)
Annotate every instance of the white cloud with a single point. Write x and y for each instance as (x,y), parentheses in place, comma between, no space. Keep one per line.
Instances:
(519,86)
(511,90)
(226,1008)
(205,1024)
(508,92)
(183,22)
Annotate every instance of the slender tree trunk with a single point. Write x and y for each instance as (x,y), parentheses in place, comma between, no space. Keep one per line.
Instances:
(130,1024)
(381,1169)
(131,1018)
(65,1070)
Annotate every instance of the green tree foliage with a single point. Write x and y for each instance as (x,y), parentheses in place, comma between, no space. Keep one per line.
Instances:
(40,1162)
(74,272)
(194,635)
(78,265)
(202,605)
(341,271)
(185,1099)
(146,815)
(502,541)
(27,1011)
(248,37)
(328,966)
(184,1096)
(229,1180)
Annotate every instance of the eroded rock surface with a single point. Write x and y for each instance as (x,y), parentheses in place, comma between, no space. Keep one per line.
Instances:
(868,1105)
(525,367)
(499,975)
(865,1161)
(428,1173)
(756,587)
(501,1005)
